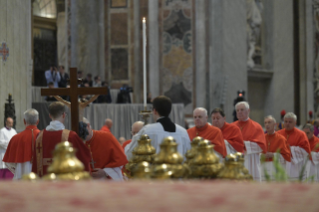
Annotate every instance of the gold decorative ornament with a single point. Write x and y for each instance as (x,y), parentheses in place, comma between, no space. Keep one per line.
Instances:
(190,154)
(205,164)
(161,172)
(232,168)
(65,165)
(169,156)
(30,177)
(242,168)
(144,151)
(142,170)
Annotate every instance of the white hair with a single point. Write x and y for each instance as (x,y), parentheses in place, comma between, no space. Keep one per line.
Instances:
(31,116)
(242,103)
(201,109)
(271,117)
(85,120)
(291,115)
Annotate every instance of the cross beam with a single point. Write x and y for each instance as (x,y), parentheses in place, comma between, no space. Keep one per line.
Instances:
(74,91)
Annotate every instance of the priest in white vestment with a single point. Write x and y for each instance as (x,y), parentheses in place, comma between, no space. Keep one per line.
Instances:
(163,128)
(6,133)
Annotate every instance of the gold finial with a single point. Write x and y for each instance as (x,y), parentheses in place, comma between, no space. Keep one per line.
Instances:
(65,165)
(242,168)
(30,177)
(142,170)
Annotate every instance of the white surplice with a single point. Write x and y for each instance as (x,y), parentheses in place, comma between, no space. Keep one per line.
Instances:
(157,133)
(19,169)
(270,168)
(229,148)
(313,166)
(298,160)
(252,159)
(5,137)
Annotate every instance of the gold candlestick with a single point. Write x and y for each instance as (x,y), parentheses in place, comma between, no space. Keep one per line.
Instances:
(145,115)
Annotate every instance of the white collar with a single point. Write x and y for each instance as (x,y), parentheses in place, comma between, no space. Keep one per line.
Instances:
(55,126)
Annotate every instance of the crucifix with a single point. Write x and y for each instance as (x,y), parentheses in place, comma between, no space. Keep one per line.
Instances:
(74,91)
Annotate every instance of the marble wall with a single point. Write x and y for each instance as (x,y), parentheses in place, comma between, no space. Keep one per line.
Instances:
(16,69)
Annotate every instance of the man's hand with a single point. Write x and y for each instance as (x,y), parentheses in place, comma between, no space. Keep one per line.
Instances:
(98,173)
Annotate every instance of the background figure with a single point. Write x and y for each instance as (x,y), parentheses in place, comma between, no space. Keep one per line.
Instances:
(88,80)
(124,94)
(97,81)
(121,140)
(107,125)
(104,98)
(53,75)
(50,98)
(6,133)
(64,77)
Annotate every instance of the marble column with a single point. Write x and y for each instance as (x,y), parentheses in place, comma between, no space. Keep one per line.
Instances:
(87,36)
(200,57)
(228,53)
(153,48)
(137,52)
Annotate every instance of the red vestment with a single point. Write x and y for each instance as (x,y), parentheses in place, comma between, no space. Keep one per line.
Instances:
(296,137)
(253,132)
(277,142)
(314,141)
(233,135)
(107,152)
(105,128)
(211,133)
(126,143)
(20,146)
(45,144)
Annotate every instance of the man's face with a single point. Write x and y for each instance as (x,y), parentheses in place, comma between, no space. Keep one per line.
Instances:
(308,133)
(289,123)
(218,120)
(270,125)
(61,69)
(9,123)
(242,112)
(200,119)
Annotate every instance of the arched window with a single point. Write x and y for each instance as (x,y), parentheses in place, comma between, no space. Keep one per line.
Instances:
(44,8)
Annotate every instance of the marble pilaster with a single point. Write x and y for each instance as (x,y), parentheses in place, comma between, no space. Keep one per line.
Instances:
(137,52)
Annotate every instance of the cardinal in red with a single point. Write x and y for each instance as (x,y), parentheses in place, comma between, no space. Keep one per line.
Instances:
(107,125)
(18,157)
(51,136)
(107,155)
(136,127)
(298,142)
(232,135)
(206,131)
(254,139)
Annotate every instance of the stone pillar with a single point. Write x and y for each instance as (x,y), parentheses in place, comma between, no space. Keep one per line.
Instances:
(228,53)
(87,36)
(200,57)
(137,52)
(153,43)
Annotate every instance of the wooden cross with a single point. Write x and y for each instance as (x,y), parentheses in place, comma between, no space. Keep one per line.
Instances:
(74,91)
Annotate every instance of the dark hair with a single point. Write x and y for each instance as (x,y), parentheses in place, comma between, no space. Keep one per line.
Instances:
(79,72)
(50,83)
(218,110)
(89,75)
(83,132)
(163,105)
(96,77)
(56,109)
(62,67)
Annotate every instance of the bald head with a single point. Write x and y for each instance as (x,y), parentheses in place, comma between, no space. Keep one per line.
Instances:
(121,140)
(9,122)
(136,127)
(108,123)
(200,117)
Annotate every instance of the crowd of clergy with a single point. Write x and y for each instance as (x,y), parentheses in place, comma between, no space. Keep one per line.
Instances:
(104,157)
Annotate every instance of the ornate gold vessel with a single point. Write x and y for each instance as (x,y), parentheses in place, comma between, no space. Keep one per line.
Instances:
(65,165)
(161,171)
(169,156)
(205,164)
(30,177)
(190,154)
(144,151)
(242,168)
(142,170)
(231,169)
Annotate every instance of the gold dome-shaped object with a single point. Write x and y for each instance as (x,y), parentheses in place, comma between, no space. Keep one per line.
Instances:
(30,177)
(65,165)
(205,164)
(231,169)
(170,156)
(161,172)
(168,153)
(190,154)
(142,170)
(242,168)
(144,151)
